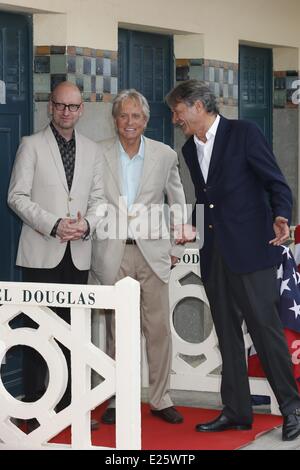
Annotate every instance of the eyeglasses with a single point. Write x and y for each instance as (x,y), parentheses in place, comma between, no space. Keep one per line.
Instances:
(62,106)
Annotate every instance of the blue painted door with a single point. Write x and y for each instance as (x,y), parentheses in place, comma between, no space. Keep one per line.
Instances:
(255,100)
(146,64)
(15,121)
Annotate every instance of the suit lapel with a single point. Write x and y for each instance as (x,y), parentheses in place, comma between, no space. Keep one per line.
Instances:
(191,157)
(54,150)
(79,160)
(150,160)
(111,155)
(219,147)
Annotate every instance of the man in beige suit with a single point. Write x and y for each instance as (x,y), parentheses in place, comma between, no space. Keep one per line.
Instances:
(138,174)
(55,189)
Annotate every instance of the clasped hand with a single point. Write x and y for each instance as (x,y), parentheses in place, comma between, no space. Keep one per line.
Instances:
(72,229)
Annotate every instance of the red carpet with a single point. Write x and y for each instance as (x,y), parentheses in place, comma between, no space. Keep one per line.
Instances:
(157,435)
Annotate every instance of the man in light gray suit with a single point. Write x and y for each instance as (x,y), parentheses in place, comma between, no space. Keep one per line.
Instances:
(138,174)
(55,189)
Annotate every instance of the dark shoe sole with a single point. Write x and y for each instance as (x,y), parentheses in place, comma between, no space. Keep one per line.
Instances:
(158,415)
(285,439)
(240,427)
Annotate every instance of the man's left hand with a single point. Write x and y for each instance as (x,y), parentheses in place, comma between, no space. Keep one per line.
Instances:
(282,231)
(81,227)
(174,261)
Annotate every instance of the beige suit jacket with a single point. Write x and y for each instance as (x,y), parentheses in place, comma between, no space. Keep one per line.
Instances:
(39,195)
(160,178)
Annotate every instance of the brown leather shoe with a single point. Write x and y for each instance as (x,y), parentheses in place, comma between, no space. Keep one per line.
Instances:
(170,415)
(109,416)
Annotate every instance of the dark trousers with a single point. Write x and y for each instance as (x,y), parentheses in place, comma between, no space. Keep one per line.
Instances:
(255,297)
(34,369)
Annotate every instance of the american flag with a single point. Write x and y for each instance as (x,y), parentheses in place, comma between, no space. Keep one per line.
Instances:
(289,308)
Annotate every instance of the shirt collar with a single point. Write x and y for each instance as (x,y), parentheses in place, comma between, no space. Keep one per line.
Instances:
(61,138)
(210,133)
(140,153)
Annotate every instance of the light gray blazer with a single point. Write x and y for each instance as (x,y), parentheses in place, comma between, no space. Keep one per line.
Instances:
(39,195)
(160,178)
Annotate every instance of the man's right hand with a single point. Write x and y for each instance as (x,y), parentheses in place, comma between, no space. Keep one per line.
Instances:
(66,229)
(184,233)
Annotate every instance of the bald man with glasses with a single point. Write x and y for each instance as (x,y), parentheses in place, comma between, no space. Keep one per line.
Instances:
(55,189)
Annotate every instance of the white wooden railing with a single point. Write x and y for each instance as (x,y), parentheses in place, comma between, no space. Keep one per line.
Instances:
(122,377)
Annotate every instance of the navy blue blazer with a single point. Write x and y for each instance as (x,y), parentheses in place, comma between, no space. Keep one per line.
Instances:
(244,192)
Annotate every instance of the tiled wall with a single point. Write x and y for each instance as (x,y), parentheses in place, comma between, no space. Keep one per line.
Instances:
(94,71)
(221,77)
(283,88)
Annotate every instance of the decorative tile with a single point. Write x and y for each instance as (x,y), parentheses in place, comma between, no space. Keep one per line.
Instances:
(93,66)
(196,62)
(57,64)
(87,83)
(94,71)
(79,82)
(99,66)
(196,72)
(93,85)
(182,73)
(99,84)
(106,67)
(57,78)
(86,65)
(211,74)
(41,83)
(106,84)
(42,64)
(71,62)
(72,78)
(42,50)
(79,50)
(114,85)
(114,68)
(87,52)
(79,65)
(71,50)
(57,50)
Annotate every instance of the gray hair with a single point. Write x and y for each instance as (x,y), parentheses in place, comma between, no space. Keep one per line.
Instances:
(133,95)
(189,92)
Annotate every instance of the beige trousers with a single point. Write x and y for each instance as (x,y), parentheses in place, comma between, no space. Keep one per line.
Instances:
(155,324)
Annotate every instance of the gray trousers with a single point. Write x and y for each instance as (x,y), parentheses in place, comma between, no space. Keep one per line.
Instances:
(155,324)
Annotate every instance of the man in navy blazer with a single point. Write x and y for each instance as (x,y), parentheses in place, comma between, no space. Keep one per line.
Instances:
(247,211)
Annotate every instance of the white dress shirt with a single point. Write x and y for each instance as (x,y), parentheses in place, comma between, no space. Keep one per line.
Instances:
(204,150)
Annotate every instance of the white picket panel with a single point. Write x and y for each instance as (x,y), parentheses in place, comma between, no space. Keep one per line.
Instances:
(122,377)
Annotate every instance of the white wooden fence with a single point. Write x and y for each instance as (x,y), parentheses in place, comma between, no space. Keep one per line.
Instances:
(122,377)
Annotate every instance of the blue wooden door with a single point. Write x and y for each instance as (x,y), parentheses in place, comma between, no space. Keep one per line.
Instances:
(146,64)
(255,100)
(15,121)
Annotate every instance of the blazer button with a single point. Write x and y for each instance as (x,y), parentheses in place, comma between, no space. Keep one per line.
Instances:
(211,206)
(70,199)
(204,190)
(210,227)
(68,214)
